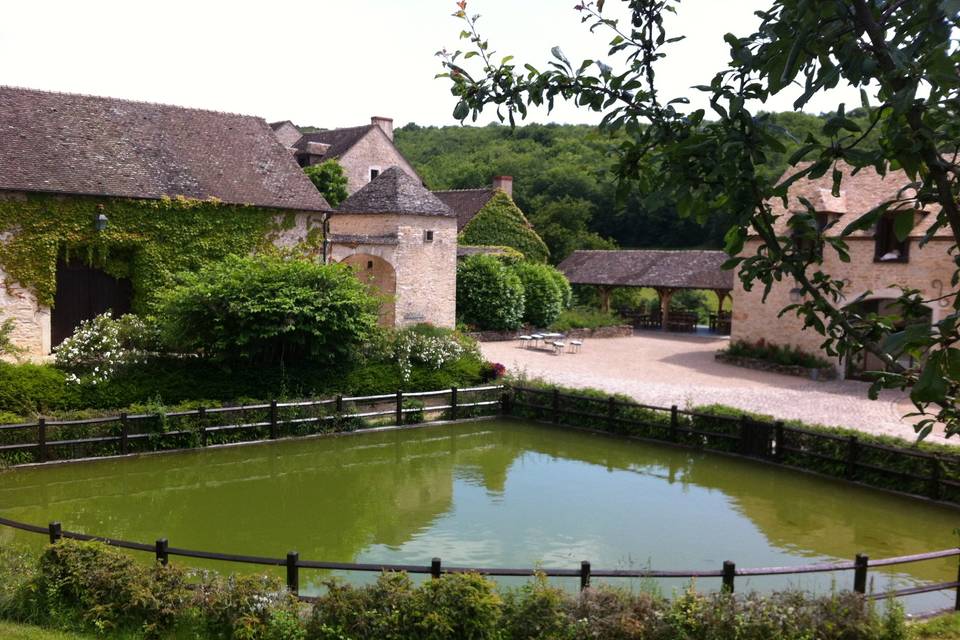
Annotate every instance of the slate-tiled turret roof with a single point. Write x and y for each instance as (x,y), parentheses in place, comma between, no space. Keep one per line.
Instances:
(395,191)
(679,269)
(88,145)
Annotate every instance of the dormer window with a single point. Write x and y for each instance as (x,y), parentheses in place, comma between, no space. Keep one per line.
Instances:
(887,247)
(374,172)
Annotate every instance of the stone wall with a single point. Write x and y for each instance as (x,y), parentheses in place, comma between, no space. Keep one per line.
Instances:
(31,321)
(928,270)
(426,272)
(814,373)
(375,151)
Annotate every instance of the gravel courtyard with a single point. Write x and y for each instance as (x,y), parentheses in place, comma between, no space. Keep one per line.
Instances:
(671,369)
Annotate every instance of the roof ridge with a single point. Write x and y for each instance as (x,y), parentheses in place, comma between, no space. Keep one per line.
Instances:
(490,188)
(130,101)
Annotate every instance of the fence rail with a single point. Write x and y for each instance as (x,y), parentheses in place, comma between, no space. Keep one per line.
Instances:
(727,573)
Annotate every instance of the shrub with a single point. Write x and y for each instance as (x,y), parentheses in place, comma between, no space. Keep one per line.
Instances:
(330,180)
(489,295)
(780,354)
(431,347)
(269,309)
(585,318)
(542,297)
(240,606)
(31,389)
(566,289)
(102,346)
(501,223)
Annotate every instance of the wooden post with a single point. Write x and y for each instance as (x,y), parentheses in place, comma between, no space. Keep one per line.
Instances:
(778,434)
(274,427)
(744,445)
(935,477)
(556,405)
(506,408)
(852,445)
(161,548)
(584,575)
(604,298)
(612,413)
(124,434)
(56,532)
(860,573)
(956,604)
(339,404)
(674,423)
(202,417)
(453,403)
(435,568)
(399,408)
(42,439)
(293,572)
(729,572)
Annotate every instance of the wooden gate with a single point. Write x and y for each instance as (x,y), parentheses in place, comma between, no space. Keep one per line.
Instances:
(84,292)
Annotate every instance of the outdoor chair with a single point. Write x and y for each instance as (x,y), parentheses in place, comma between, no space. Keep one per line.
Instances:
(558,347)
(525,341)
(575,346)
(536,337)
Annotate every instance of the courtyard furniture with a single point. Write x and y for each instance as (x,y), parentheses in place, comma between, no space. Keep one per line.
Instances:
(558,347)
(575,346)
(682,321)
(536,337)
(525,341)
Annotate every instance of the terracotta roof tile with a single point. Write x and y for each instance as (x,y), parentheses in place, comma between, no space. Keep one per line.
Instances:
(67,143)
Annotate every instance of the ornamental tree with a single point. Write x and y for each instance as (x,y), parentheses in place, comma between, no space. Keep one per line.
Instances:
(901,55)
(330,180)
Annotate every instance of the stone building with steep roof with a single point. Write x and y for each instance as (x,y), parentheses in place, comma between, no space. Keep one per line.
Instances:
(363,152)
(879,262)
(402,240)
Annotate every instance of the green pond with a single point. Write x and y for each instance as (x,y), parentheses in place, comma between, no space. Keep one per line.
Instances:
(490,493)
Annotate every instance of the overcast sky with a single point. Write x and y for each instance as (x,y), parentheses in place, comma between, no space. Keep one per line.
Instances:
(322,62)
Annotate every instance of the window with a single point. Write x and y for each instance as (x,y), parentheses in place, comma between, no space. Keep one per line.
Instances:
(428,236)
(888,248)
(374,173)
(369,264)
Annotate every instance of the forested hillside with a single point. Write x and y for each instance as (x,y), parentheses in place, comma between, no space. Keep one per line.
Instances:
(562,180)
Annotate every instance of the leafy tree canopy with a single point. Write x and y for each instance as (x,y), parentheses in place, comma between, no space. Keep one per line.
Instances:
(330,180)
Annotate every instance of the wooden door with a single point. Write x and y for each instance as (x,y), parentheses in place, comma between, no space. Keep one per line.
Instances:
(84,292)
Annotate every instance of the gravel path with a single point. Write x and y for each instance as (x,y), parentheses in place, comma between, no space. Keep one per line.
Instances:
(663,370)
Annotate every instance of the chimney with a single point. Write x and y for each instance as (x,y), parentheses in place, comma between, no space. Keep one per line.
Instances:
(384,123)
(504,183)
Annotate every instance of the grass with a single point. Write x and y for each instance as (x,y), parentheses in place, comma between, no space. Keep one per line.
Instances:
(11,631)
(942,628)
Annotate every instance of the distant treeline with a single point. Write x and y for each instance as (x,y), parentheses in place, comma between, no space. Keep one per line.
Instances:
(563,183)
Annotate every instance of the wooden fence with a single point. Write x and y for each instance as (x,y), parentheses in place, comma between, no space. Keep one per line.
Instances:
(853,458)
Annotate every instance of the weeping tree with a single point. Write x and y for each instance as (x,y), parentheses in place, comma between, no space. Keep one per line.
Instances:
(899,53)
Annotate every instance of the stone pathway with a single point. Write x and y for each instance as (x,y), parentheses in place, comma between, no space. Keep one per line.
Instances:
(665,369)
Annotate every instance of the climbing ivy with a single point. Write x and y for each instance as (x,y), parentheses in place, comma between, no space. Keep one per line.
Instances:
(500,222)
(147,241)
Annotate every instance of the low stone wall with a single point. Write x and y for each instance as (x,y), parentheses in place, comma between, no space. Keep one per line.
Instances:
(821,373)
(616,331)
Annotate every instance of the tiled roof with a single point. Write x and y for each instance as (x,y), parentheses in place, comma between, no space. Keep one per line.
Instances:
(859,193)
(77,144)
(465,202)
(680,269)
(395,191)
(340,140)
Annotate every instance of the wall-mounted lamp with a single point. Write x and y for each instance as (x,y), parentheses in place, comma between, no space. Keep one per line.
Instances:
(100,222)
(796,294)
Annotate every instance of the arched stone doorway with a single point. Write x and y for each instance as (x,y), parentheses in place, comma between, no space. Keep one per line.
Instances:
(382,279)
(859,364)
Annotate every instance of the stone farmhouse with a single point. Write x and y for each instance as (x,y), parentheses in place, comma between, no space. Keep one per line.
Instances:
(878,261)
(101,199)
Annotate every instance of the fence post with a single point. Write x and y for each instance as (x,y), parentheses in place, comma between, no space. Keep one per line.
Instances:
(744,445)
(273,420)
(339,404)
(584,575)
(435,568)
(161,548)
(399,408)
(729,572)
(505,407)
(202,417)
(453,403)
(778,435)
(293,572)
(935,475)
(56,531)
(124,434)
(674,423)
(860,573)
(556,405)
(956,604)
(611,413)
(852,445)
(42,439)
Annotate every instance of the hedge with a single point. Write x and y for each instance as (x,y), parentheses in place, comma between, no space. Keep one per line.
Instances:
(501,223)
(490,296)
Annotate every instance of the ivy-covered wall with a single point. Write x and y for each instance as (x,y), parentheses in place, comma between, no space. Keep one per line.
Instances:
(146,241)
(501,223)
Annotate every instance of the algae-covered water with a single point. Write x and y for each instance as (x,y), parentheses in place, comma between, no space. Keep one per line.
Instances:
(492,494)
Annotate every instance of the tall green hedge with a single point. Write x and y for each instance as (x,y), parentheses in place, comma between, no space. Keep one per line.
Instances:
(489,294)
(501,223)
(542,294)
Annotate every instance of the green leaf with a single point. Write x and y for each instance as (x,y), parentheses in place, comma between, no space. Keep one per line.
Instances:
(931,386)
(461,111)
(903,224)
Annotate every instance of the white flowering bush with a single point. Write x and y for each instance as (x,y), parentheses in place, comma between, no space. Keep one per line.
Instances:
(103,345)
(430,347)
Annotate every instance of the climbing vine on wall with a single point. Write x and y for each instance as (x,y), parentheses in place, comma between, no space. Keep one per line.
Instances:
(147,241)
(500,222)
